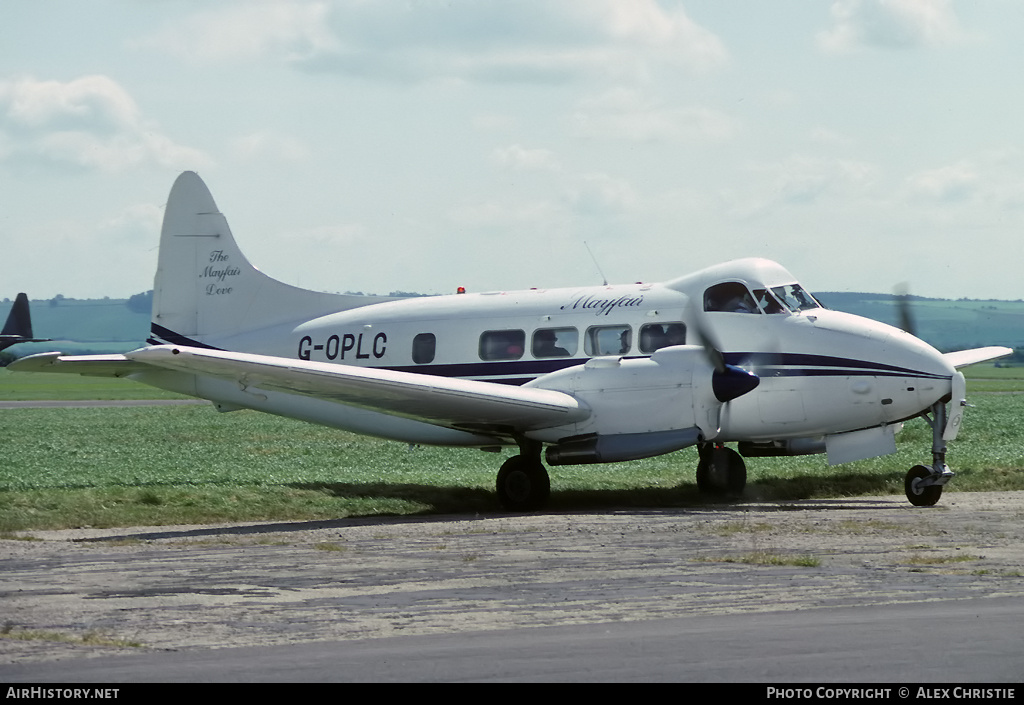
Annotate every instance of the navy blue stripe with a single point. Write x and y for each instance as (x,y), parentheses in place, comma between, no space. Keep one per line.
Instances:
(534,368)
(821,365)
(517,372)
(164,336)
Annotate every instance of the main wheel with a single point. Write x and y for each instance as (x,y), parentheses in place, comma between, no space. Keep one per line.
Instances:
(921,496)
(721,473)
(523,484)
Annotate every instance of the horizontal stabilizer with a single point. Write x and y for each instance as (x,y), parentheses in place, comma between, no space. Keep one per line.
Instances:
(962,358)
(92,365)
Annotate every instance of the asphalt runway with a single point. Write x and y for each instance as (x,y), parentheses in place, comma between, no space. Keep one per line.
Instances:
(897,645)
(862,590)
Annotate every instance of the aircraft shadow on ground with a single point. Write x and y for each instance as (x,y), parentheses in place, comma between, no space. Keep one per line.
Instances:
(468,504)
(457,499)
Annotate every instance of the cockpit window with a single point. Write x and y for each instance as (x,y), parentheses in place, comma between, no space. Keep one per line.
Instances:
(768,303)
(794,297)
(729,297)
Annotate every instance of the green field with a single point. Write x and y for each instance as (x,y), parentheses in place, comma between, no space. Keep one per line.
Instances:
(37,386)
(72,467)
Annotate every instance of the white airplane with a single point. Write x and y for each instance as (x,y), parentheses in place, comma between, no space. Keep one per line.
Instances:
(739,352)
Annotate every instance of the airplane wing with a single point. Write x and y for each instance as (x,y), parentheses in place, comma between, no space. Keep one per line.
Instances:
(454,403)
(962,358)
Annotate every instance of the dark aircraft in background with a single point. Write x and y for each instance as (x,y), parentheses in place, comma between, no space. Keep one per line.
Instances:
(18,328)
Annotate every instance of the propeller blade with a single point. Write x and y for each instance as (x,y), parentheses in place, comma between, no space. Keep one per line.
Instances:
(906,318)
(728,382)
(706,339)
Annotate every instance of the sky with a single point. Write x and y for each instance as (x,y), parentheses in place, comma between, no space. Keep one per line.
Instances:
(422,145)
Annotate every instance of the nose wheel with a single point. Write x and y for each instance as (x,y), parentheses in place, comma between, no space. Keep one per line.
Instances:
(920,489)
(923,485)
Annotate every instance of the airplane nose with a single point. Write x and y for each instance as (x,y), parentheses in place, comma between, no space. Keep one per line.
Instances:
(919,375)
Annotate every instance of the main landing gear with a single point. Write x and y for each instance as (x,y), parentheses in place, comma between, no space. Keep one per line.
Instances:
(923,485)
(523,483)
(524,486)
(721,472)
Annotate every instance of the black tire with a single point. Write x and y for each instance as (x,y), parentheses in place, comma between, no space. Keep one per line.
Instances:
(523,484)
(925,496)
(721,473)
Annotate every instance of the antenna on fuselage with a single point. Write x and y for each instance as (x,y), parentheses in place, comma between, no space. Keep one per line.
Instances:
(599,271)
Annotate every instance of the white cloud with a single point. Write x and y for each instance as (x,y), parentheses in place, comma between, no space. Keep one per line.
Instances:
(956,182)
(891,24)
(531,41)
(627,114)
(92,102)
(601,194)
(518,157)
(89,122)
(801,180)
(246,31)
(135,223)
(265,144)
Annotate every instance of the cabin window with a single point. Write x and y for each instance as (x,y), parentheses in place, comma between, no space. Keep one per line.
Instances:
(555,342)
(794,296)
(608,340)
(502,344)
(729,297)
(655,336)
(423,347)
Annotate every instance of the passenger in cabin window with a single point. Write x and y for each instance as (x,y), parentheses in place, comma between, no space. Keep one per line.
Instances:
(676,334)
(544,345)
(624,341)
(502,345)
(652,338)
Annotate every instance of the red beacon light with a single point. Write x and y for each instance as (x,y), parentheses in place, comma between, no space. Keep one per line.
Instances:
(461,290)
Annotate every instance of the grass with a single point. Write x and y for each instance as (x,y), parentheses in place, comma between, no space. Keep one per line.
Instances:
(38,386)
(104,467)
(89,638)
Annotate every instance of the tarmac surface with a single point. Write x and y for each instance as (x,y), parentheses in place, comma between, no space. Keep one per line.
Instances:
(889,585)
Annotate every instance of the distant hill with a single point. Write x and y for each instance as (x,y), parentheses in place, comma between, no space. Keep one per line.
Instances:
(116,325)
(945,323)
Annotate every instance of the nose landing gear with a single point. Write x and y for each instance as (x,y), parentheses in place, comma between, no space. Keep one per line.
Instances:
(923,485)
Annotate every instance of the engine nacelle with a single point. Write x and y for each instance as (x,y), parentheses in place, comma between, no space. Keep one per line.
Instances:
(641,407)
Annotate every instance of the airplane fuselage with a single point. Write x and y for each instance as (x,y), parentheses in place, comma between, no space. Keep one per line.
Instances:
(822,372)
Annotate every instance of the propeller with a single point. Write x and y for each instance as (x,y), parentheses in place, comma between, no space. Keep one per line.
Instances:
(728,381)
(906,318)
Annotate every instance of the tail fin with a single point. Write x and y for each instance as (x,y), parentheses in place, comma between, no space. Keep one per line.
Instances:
(19,320)
(206,292)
